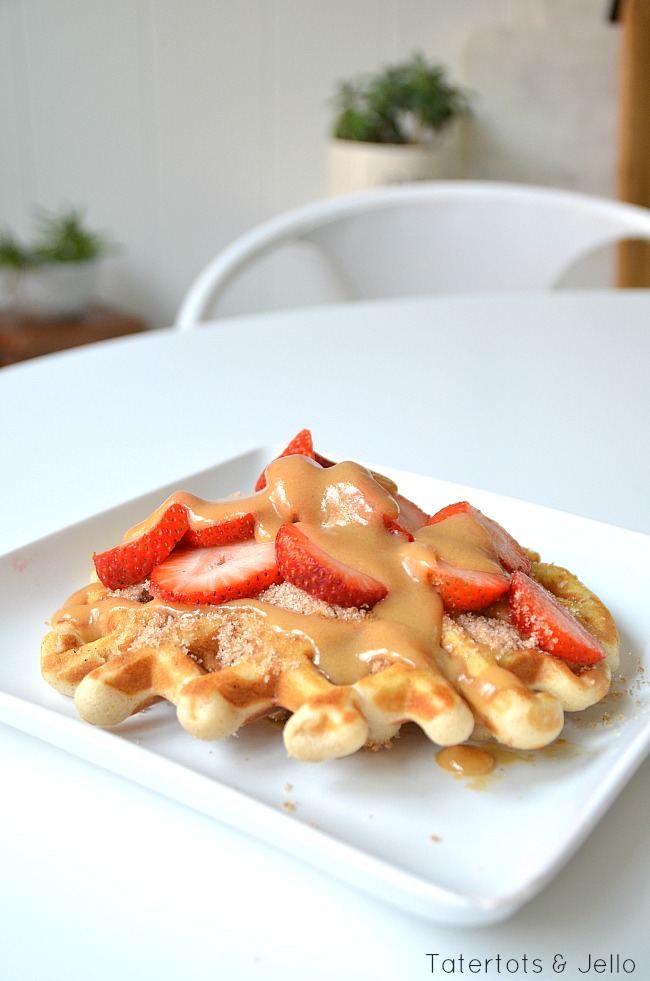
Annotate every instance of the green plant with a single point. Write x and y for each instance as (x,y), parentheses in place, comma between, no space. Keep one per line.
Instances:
(12,254)
(60,238)
(405,103)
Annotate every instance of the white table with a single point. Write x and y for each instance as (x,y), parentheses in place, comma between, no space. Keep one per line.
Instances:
(539,396)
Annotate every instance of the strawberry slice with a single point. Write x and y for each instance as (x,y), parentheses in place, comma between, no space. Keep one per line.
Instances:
(307,566)
(467,589)
(538,615)
(237,528)
(215,574)
(510,553)
(301,445)
(411,517)
(395,528)
(133,560)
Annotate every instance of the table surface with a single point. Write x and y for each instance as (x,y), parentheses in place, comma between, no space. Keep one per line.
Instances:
(543,397)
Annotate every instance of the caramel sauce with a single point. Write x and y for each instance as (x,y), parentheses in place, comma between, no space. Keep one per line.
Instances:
(466,761)
(343,509)
(476,762)
(462,542)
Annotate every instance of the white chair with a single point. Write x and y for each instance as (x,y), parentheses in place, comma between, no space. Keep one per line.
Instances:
(422,238)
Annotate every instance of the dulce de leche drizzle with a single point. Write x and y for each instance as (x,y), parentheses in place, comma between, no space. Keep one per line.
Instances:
(344,510)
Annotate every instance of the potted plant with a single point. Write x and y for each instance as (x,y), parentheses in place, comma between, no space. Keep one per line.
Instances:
(393,126)
(55,276)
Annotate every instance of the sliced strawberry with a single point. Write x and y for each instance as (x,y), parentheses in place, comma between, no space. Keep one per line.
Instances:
(322,460)
(133,560)
(301,445)
(538,615)
(396,528)
(467,589)
(237,528)
(409,520)
(411,517)
(510,553)
(307,566)
(216,574)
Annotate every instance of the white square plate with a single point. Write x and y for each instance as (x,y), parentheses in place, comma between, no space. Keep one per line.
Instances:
(392,823)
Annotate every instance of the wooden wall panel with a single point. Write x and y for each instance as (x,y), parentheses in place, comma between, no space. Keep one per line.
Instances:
(634,257)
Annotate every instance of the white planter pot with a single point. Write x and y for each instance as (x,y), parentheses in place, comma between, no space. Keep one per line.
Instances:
(353,166)
(57,289)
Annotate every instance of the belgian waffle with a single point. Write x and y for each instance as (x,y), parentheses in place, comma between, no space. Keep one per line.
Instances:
(342,673)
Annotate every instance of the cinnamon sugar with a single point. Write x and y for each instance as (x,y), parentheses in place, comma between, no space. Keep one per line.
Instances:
(289,597)
(162,628)
(496,633)
(241,640)
(139,593)
(214,638)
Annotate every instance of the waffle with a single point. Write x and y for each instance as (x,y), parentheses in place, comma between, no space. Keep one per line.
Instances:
(529,690)
(339,675)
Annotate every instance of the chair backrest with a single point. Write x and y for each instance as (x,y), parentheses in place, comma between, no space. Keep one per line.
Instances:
(416,239)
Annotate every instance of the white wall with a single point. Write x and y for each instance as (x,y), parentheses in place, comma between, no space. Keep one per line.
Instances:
(178,124)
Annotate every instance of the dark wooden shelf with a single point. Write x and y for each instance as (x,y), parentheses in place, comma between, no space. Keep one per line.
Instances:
(23,337)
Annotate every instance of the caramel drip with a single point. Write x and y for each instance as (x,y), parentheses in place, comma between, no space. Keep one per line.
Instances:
(466,761)
(344,509)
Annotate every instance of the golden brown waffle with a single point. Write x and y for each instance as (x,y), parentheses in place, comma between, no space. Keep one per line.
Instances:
(328,597)
(528,690)
(225,666)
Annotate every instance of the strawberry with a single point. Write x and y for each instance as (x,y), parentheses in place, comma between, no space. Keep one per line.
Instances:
(307,566)
(409,520)
(510,553)
(301,445)
(467,589)
(133,560)
(395,528)
(411,517)
(236,528)
(538,615)
(215,574)
(322,460)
